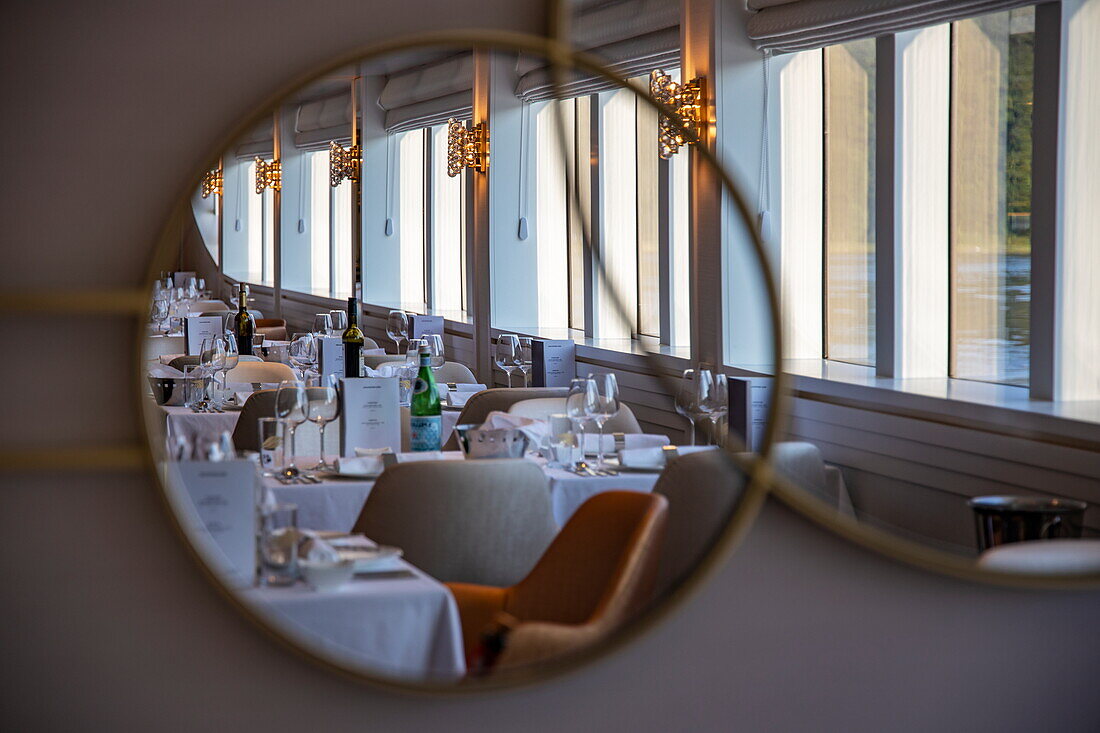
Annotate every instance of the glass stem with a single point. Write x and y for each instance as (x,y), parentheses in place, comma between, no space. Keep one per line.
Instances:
(290,461)
(599,447)
(321,450)
(691,429)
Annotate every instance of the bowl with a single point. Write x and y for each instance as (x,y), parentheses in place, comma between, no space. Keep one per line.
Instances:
(325,575)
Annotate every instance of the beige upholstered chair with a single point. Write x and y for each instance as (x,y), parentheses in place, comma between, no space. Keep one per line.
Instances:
(260,371)
(481,404)
(376,360)
(451,371)
(485,522)
(273,329)
(191,360)
(597,574)
(541,408)
(702,491)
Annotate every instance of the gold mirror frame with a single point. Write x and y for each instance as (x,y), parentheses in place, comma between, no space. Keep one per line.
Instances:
(762,480)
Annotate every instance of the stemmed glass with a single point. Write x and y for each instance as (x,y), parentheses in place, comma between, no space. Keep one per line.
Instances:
(600,404)
(717,404)
(232,358)
(303,352)
(507,354)
(322,324)
(412,357)
(323,407)
(397,327)
(160,312)
(574,408)
(435,348)
(339,322)
(525,360)
(690,398)
(291,405)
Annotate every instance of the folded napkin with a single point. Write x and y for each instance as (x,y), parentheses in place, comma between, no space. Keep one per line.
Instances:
(318,550)
(385,370)
(165,372)
(430,455)
(630,441)
(360,466)
(654,458)
(535,430)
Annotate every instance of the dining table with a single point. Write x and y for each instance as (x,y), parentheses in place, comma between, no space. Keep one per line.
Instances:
(399,623)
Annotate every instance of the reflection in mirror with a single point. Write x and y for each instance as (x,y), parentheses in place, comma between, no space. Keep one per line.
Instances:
(364,278)
(374,492)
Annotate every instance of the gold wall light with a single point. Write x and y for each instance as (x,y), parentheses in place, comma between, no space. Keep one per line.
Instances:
(269,175)
(343,163)
(212,182)
(467,148)
(688,101)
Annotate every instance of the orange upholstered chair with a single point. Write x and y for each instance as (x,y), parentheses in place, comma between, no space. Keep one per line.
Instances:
(273,328)
(598,571)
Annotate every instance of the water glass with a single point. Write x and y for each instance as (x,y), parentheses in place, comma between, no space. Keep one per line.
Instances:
(525,359)
(575,409)
(397,327)
(322,407)
(291,405)
(322,324)
(339,322)
(561,441)
(272,432)
(601,404)
(413,354)
(405,378)
(435,348)
(194,385)
(506,354)
(279,544)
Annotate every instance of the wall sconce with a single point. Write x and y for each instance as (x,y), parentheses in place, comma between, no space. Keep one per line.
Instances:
(343,163)
(212,182)
(269,175)
(467,148)
(688,102)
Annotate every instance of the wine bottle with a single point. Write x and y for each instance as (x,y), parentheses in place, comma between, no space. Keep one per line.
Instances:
(425,410)
(353,341)
(244,325)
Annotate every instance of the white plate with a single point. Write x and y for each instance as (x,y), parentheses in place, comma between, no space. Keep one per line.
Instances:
(334,476)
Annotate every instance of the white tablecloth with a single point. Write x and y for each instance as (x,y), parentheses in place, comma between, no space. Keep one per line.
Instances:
(335,504)
(401,627)
(192,425)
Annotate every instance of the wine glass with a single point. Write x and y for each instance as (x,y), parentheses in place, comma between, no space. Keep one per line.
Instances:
(339,322)
(600,404)
(717,404)
(159,313)
(507,353)
(397,327)
(322,324)
(694,388)
(525,359)
(291,406)
(574,408)
(323,406)
(301,352)
(413,355)
(435,348)
(232,358)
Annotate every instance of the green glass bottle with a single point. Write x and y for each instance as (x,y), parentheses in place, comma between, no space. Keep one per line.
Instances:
(425,409)
(353,342)
(244,325)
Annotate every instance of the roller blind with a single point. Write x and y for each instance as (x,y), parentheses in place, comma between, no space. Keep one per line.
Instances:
(259,141)
(632,37)
(430,94)
(799,25)
(319,121)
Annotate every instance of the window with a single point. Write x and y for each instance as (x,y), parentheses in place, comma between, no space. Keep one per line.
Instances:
(447,241)
(558,282)
(409,226)
(990,238)
(259,224)
(848,79)
(330,230)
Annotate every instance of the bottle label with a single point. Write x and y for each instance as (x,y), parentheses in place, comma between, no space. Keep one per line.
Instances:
(426,432)
(420,385)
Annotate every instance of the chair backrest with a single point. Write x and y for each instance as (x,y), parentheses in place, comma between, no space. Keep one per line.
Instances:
(246,433)
(482,403)
(247,357)
(274,329)
(376,360)
(703,490)
(484,522)
(541,408)
(261,371)
(601,567)
(270,322)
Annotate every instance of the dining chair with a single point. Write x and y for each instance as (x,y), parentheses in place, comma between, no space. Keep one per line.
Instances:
(376,360)
(485,521)
(542,408)
(596,574)
(480,404)
(268,372)
(273,329)
(307,438)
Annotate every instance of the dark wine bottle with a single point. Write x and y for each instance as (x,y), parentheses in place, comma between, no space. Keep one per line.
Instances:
(353,342)
(244,325)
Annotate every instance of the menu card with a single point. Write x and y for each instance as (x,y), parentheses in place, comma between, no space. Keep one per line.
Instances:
(749,400)
(330,355)
(216,504)
(370,416)
(197,329)
(554,362)
(419,325)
